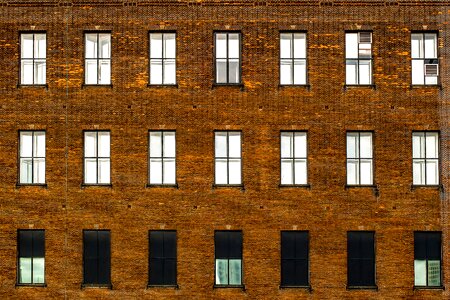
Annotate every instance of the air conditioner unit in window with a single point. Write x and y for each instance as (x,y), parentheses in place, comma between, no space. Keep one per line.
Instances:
(364,37)
(431,70)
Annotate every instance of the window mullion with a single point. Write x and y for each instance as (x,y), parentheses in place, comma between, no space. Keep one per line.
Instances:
(425,156)
(293,148)
(32,250)
(292,57)
(228,61)
(162,157)
(162,58)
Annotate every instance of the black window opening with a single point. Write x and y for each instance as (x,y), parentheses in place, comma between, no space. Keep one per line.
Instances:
(294,259)
(361,258)
(31,257)
(228,258)
(97,257)
(427,259)
(163,258)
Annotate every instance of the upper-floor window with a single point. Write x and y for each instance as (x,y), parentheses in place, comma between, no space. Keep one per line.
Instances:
(425,158)
(359,158)
(228,57)
(358,58)
(427,258)
(294,157)
(97,68)
(162,58)
(33,58)
(97,157)
(163,257)
(162,157)
(228,257)
(294,258)
(228,157)
(424,58)
(32,157)
(292,58)
(96,257)
(31,256)
(361,258)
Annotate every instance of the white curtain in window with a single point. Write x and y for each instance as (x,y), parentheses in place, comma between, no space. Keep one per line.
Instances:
(420,272)
(235,271)
(38,270)
(221,271)
(25,269)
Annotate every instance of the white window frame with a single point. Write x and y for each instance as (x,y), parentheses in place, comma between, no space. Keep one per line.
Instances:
(295,58)
(357,160)
(38,59)
(298,160)
(98,59)
(163,59)
(104,159)
(227,58)
(420,59)
(426,159)
(358,59)
(161,158)
(37,159)
(219,159)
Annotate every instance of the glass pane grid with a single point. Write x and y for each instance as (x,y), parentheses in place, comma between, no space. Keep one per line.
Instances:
(356,175)
(32,167)
(291,162)
(162,163)
(423,51)
(33,58)
(231,162)
(99,164)
(292,58)
(97,58)
(425,161)
(228,61)
(162,58)
(358,60)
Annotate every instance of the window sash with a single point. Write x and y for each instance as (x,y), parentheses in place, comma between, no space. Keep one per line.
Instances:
(423,51)
(427,258)
(97,58)
(425,158)
(162,265)
(228,157)
(358,60)
(294,161)
(361,258)
(33,58)
(162,58)
(32,157)
(97,157)
(31,257)
(227,61)
(360,165)
(96,257)
(162,157)
(293,61)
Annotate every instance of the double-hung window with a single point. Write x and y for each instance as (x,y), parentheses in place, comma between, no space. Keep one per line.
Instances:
(97,157)
(163,257)
(358,58)
(361,258)
(228,57)
(292,58)
(424,58)
(97,69)
(228,256)
(31,256)
(294,158)
(33,58)
(162,157)
(294,258)
(228,158)
(32,157)
(96,257)
(427,259)
(359,158)
(162,58)
(425,158)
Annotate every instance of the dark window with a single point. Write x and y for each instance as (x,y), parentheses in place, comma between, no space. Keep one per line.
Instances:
(427,259)
(163,258)
(294,258)
(228,256)
(97,257)
(228,57)
(361,258)
(31,249)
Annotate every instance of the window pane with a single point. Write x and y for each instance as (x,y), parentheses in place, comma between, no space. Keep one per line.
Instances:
(300,171)
(91,45)
(39,45)
(103,144)
(351,45)
(286,72)
(233,71)
(418,145)
(170,271)
(26,45)
(26,170)
(169,144)
(434,272)
(432,172)
(39,72)
(221,171)
(105,72)
(221,144)
(352,172)
(285,45)
(299,45)
(156,71)
(26,140)
(366,172)
(430,45)
(288,272)
(155,171)
(365,144)
(234,138)
(417,45)
(365,50)
(365,72)
(286,144)
(352,145)
(169,72)
(169,171)
(432,145)
(38,270)
(351,72)
(104,171)
(221,271)
(39,170)
(418,172)
(235,171)
(235,271)
(417,72)
(90,170)
(221,45)
(286,171)
(299,72)
(233,45)
(156,271)
(156,45)
(221,71)
(169,45)
(155,144)
(26,72)
(39,144)
(300,144)
(105,45)
(25,269)
(431,80)
(91,72)
(90,144)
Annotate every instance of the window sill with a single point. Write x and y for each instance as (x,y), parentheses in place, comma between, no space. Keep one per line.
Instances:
(426,86)
(228,85)
(305,86)
(304,287)
(416,287)
(96,86)
(174,86)
(88,185)
(228,286)
(173,286)
(31,285)
(362,86)
(427,186)
(25,185)
(364,287)
(231,186)
(96,286)
(173,186)
(32,86)
(284,186)
(350,186)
